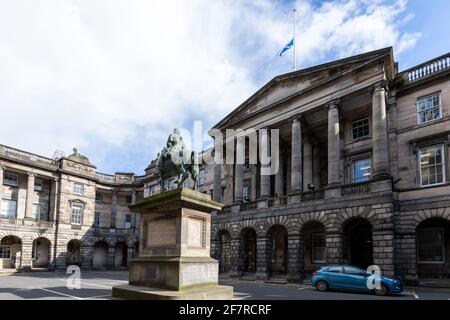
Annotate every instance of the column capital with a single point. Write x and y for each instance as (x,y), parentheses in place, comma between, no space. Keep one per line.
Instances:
(334,104)
(297,118)
(2,167)
(381,85)
(31,174)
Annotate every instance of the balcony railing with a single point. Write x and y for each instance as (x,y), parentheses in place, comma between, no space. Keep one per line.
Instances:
(23,155)
(277,201)
(355,188)
(427,69)
(248,205)
(312,195)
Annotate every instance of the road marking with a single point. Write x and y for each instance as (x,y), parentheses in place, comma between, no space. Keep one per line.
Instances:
(96,297)
(242,298)
(89,284)
(62,294)
(302,288)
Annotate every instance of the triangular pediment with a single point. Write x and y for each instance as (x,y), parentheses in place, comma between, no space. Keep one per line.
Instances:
(288,85)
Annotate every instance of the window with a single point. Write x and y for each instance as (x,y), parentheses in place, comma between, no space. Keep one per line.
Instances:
(432,165)
(97,219)
(77,213)
(129,199)
(8,210)
(430,245)
(10,179)
(98,198)
(429,108)
(246,193)
(201,177)
(127,221)
(318,248)
(355,271)
(36,213)
(38,185)
(361,170)
(5,252)
(335,269)
(360,128)
(78,188)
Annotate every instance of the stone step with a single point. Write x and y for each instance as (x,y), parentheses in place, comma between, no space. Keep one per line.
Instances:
(277,280)
(435,283)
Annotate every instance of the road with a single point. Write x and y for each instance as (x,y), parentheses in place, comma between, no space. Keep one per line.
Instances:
(96,285)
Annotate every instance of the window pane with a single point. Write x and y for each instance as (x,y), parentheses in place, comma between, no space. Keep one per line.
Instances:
(429,108)
(360,128)
(318,248)
(36,214)
(361,170)
(431,162)
(8,209)
(76,214)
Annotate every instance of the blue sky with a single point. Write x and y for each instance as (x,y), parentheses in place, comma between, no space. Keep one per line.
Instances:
(113,79)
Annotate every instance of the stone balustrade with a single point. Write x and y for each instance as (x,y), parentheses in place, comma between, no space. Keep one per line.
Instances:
(355,188)
(27,156)
(427,69)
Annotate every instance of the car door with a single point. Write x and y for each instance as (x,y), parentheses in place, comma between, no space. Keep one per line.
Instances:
(334,277)
(355,279)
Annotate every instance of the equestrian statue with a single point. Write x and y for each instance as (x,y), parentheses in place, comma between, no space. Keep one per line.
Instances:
(176,160)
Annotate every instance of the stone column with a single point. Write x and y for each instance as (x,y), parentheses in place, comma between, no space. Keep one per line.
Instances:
(238,174)
(130,254)
(293,258)
(113,210)
(334,152)
(333,243)
(296,155)
(307,163)
(279,183)
(218,159)
(265,178)
(26,255)
(133,201)
(87,256)
(52,213)
(262,245)
(111,257)
(30,196)
(1,177)
(316,165)
(380,151)
(234,258)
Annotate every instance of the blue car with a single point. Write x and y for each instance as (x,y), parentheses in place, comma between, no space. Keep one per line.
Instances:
(351,278)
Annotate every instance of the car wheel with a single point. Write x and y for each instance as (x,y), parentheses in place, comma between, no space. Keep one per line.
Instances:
(321,285)
(382,291)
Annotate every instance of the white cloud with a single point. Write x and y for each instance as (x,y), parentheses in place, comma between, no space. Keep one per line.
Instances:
(100,75)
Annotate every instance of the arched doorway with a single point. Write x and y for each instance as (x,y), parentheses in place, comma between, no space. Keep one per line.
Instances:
(121,255)
(10,252)
(277,250)
(41,253)
(74,252)
(224,251)
(433,249)
(314,252)
(357,240)
(100,255)
(248,251)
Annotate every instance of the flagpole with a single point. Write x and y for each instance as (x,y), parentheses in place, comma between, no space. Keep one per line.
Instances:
(295,42)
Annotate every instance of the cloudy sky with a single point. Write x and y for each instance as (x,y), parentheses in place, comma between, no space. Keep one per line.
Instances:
(114,77)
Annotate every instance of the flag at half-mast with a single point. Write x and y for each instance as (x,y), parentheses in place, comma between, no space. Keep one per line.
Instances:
(289,45)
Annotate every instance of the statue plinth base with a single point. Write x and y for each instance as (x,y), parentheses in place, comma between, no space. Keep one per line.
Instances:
(174,250)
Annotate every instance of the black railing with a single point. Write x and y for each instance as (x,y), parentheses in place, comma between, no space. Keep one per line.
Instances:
(312,195)
(248,205)
(355,188)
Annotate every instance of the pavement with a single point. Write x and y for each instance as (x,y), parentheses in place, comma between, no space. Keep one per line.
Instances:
(96,285)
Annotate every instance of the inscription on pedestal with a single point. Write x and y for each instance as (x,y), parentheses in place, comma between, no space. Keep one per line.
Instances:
(196,232)
(162,232)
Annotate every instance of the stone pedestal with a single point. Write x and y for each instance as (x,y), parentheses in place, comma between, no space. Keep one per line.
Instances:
(174,250)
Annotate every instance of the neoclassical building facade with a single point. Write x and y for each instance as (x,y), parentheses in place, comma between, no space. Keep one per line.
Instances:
(363,179)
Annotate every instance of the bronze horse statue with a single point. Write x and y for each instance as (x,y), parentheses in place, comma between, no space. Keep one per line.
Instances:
(176,160)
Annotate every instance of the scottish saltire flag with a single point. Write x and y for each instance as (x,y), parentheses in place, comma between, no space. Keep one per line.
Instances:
(289,45)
